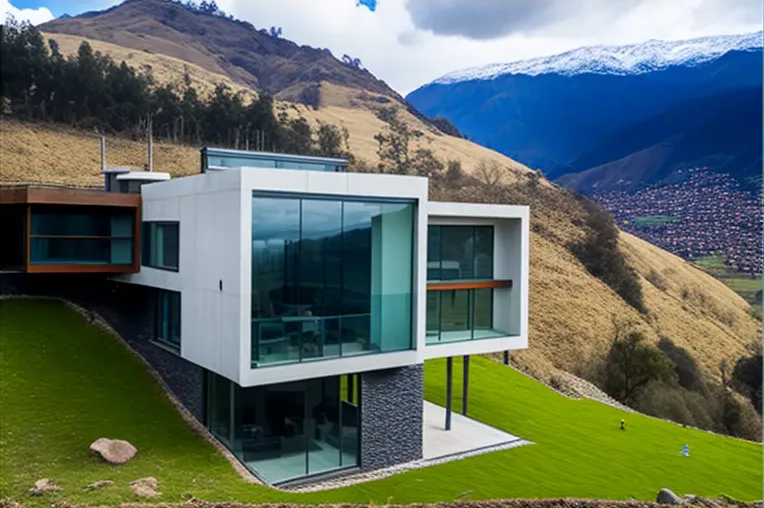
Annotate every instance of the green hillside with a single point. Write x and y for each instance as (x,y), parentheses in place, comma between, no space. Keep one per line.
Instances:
(65,383)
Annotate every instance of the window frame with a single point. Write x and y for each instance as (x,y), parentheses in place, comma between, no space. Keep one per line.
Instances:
(172,300)
(301,198)
(148,230)
(437,257)
(36,236)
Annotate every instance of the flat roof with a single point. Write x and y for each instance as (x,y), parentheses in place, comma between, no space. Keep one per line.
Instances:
(272,156)
(42,195)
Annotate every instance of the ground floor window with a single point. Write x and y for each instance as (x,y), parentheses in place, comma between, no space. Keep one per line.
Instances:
(167,322)
(288,430)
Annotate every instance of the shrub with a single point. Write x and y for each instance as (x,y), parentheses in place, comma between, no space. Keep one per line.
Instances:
(741,419)
(454,173)
(665,400)
(600,255)
(685,366)
(445,126)
(747,376)
(657,280)
(631,365)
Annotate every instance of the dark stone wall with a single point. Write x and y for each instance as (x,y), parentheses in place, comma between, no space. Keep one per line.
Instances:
(391,416)
(129,309)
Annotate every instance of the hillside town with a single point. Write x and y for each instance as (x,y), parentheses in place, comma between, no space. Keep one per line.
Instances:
(707,214)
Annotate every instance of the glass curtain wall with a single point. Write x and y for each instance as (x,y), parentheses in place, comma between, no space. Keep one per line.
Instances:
(460,314)
(460,253)
(233,159)
(330,277)
(285,431)
(81,236)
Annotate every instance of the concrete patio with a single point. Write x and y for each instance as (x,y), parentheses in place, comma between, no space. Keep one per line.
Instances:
(466,434)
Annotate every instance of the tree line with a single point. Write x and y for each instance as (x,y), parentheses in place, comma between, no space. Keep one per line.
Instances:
(90,90)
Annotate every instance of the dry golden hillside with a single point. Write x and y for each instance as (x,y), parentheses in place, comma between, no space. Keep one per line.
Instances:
(571,313)
(340,106)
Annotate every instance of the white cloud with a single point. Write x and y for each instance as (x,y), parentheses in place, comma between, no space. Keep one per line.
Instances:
(392,47)
(34,16)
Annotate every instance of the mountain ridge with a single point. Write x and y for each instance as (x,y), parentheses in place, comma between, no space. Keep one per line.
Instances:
(649,56)
(222,45)
(549,120)
(719,132)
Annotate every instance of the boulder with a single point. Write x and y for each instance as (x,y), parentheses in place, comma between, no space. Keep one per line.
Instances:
(666,496)
(146,487)
(44,486)
(113,451)
(99,485)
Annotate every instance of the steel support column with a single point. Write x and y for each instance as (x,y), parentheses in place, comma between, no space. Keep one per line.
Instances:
(449,383)
(466,383)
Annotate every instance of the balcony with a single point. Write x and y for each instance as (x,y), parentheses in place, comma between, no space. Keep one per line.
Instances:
(463,311)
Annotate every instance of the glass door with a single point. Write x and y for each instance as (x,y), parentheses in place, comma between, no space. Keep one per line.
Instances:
(323,416)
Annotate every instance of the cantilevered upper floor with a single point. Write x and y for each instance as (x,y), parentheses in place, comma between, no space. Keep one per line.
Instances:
(477,279)
(64,230)
(274,275)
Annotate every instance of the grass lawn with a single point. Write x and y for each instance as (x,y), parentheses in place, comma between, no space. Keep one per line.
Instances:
(711,262)
(743,285)
(651,221)
(64,384)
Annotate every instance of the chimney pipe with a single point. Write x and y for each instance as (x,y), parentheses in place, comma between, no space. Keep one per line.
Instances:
(103,162)
(150,166)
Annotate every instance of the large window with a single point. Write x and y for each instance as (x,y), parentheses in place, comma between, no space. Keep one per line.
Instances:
(459,252)
(222,158)
(167,322)
(460,314)
(286,431)
(81,236)
(161,245)
(457,312)
(330,277)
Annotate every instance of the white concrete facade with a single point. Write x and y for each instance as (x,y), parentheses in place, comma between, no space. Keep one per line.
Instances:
(214,211)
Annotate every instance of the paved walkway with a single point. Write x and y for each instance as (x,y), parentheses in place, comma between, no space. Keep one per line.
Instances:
(465,435)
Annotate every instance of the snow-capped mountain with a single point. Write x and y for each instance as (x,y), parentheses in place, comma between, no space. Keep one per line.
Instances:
(649,56)
(548,112)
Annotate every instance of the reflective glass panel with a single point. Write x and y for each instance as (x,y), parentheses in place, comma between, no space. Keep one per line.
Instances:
(330,277)
(285,431)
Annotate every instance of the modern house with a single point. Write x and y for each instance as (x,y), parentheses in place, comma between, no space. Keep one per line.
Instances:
(292,303)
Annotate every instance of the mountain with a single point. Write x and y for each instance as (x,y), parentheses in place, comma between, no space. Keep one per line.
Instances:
(632,59)
(222,45)
(547,112)
(721,132)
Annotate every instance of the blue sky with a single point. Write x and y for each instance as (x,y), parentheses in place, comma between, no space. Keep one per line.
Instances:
(59,7)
